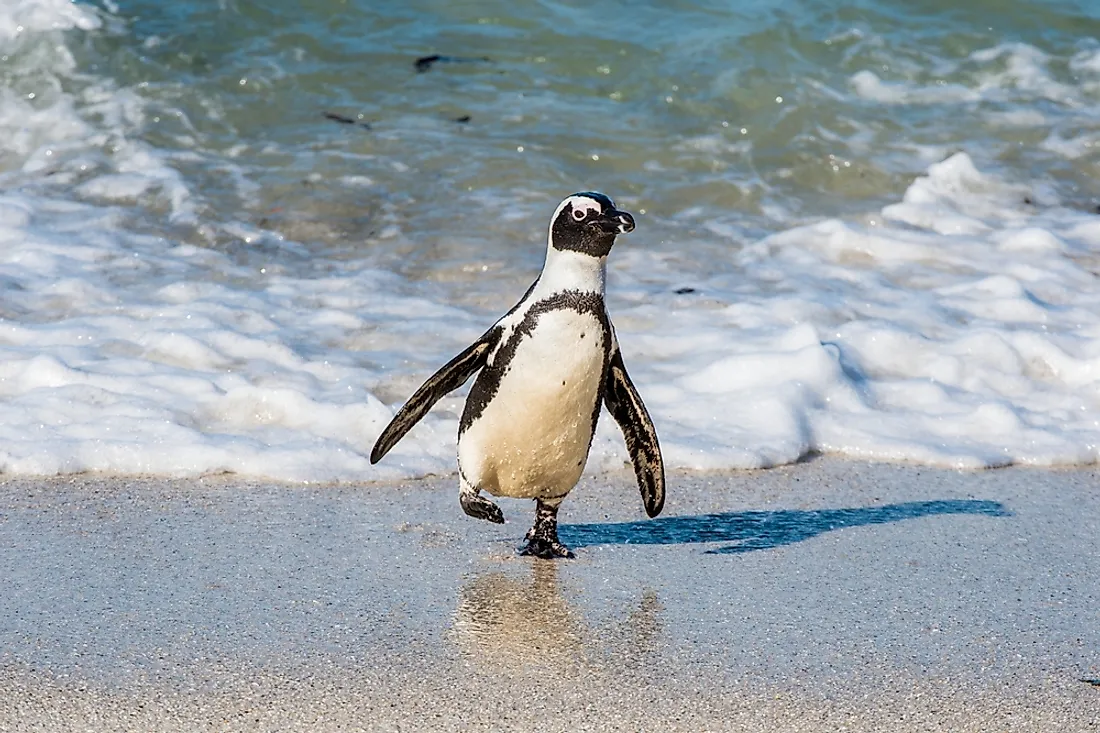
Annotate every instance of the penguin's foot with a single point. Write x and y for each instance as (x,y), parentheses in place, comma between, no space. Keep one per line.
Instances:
(546,549)
(542,539)
(479,508)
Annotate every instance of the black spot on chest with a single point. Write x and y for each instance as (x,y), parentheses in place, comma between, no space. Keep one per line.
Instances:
(488,381)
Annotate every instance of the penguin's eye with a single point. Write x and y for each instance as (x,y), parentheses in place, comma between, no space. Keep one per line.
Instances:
(579,214)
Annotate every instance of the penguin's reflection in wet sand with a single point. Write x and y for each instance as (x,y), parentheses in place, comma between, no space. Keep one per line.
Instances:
(527,624)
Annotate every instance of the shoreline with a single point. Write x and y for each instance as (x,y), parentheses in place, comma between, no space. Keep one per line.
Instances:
(807,597)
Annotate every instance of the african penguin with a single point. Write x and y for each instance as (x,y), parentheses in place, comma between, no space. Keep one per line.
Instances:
(545,369)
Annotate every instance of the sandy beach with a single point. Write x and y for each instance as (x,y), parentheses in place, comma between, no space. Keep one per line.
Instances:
(827,595)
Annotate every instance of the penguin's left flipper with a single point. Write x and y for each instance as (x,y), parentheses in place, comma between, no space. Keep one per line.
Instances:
(625,405)
(450,377)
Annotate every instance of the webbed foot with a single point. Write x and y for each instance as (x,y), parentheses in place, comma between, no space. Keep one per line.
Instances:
(542,539)
(546,549)
(479,508)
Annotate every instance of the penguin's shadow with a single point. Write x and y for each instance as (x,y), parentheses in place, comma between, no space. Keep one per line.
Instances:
(763,530)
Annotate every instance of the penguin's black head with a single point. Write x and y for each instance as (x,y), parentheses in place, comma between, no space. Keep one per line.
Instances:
(588,222)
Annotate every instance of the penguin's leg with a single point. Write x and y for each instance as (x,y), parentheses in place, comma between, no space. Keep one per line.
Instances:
(542,539)
(474,505)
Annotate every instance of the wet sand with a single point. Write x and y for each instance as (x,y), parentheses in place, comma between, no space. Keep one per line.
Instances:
(818,597)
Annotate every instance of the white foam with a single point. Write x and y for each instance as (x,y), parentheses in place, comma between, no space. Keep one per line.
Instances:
(954,198)
(19,17)
(1025,69)
(76,126)
(172,374)
(1072,148)
(966,335)
(868,85)
(1004,72)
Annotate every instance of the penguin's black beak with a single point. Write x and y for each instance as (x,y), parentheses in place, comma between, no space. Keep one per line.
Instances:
(614,221)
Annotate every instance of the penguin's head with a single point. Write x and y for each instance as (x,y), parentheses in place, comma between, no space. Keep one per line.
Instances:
(588,223)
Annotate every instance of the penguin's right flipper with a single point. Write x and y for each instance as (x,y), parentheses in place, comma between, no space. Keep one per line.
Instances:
(450,377)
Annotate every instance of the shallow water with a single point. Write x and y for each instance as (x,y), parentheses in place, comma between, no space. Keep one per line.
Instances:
(868,230)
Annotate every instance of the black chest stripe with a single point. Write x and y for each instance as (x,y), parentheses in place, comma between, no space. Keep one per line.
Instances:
(488,381)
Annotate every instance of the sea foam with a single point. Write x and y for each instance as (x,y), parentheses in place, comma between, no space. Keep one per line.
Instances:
(957,328)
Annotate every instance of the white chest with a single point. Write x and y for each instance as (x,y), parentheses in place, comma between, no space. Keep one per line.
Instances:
(532,438)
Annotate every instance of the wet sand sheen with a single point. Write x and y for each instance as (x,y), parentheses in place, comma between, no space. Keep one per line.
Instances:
(880,597)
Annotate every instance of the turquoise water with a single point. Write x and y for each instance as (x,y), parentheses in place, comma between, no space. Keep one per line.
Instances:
(755,114)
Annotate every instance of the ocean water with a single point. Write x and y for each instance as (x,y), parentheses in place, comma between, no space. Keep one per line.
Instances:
(236,235)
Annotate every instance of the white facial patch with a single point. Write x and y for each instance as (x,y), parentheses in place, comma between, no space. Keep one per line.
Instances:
(585,204)
(579,204)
